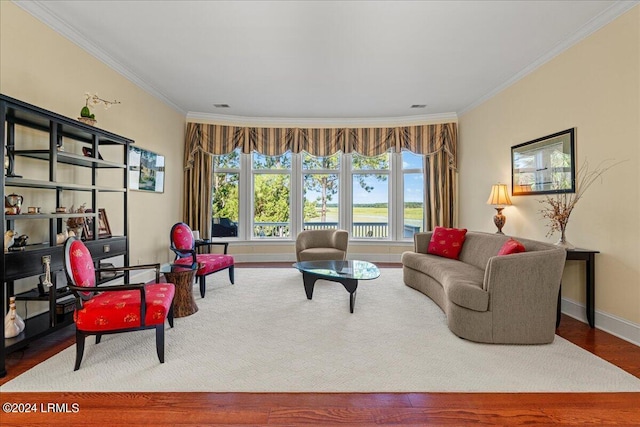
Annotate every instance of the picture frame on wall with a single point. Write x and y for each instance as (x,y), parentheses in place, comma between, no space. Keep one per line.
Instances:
(146,170)
(104,230)
(545,165)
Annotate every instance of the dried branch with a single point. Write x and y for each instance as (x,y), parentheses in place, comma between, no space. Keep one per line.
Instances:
(558,208)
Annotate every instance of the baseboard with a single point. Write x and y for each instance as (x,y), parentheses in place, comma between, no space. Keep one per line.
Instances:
(609,323)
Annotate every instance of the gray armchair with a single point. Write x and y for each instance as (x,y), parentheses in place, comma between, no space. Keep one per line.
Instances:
(317,245)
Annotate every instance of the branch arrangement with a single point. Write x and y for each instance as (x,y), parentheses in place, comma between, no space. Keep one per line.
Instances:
(558,208)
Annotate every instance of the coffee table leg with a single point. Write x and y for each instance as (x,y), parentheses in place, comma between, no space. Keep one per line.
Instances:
(352,300)
(309,281)
(350,285)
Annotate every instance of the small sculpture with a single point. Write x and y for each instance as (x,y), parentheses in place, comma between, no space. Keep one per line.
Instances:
(20,241)
(9,239)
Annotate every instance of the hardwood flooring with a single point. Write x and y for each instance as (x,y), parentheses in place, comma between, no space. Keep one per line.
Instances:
(355,409)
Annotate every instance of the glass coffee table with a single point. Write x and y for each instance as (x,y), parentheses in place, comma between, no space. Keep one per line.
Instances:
(345,272)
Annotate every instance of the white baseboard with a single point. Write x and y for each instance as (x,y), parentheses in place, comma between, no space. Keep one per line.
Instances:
(609,323)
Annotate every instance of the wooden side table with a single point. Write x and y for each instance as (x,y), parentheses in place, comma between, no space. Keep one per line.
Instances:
(589,257)
(182,276)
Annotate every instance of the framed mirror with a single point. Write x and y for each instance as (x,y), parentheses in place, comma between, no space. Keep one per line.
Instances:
(545,165)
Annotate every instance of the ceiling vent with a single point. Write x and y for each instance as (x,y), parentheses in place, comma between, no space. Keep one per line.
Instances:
(221,105)
(418,105)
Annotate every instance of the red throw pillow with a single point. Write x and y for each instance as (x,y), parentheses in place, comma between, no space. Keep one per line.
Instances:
(447,242)
(511,246)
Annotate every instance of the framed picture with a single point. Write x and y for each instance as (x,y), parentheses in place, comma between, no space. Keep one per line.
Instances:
(146,170)
(545,165)
(104,230)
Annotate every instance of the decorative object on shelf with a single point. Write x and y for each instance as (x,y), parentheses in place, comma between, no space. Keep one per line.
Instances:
(499,197)
(34,209)
(76,224)
(88,152)
(86,116)
(13,204)
(557,208)
(20,241)
(61,237)
(47,272)
(61,209)
(13,324)
(104,230)
(9,239)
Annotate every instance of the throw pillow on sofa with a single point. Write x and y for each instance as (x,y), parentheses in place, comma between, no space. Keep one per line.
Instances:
(447,242)
(511,246)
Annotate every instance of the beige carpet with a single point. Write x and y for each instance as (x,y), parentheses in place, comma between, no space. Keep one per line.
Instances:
(262,334)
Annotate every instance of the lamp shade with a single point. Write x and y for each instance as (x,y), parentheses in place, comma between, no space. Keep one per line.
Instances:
(499,195)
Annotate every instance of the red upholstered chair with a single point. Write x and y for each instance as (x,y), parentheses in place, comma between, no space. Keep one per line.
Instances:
(183,244)
(117,308)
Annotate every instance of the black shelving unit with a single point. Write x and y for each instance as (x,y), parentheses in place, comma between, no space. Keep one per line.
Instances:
(28,263)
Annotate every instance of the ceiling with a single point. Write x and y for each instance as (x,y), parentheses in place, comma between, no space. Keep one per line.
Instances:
(324,59)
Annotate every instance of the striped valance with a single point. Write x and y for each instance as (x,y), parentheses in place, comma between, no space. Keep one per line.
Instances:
(220,139)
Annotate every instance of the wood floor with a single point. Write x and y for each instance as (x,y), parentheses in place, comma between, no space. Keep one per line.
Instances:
(355,409)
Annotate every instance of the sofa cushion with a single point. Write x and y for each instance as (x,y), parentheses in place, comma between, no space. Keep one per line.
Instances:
(511,246)
(462,282)
(447,242)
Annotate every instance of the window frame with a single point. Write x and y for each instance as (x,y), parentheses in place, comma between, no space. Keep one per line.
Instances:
(395,183)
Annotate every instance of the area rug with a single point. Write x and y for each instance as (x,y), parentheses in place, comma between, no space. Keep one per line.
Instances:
(263,335)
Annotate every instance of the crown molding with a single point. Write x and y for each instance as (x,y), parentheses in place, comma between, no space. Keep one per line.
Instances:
(618,8)
(43,13)
(322,122)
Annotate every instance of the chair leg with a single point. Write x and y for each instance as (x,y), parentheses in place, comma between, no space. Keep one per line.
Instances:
(231,274)
(202,281)
(170,315)
(160,342)
(79,349)
(98,338)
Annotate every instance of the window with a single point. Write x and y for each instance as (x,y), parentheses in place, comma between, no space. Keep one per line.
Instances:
(370,200)
(276,197)
(226,194)
(320,191)
(413,197)
(271,195)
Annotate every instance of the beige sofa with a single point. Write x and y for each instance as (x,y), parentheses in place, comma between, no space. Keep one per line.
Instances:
(488,298)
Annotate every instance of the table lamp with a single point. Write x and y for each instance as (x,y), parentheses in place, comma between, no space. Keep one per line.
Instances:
(499,197)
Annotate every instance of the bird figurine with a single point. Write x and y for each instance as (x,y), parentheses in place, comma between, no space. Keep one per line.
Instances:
(9,238)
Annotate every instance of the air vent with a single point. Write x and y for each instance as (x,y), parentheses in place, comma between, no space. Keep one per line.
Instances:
(221,105)
(418,105)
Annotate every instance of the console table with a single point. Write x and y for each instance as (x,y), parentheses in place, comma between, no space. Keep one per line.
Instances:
(589,257)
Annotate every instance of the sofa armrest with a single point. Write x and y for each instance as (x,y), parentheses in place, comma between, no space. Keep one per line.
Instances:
(421,241)
(524,282)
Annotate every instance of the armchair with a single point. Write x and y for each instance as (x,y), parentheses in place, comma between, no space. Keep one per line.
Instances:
(184,246)
(317,245)
(116,308)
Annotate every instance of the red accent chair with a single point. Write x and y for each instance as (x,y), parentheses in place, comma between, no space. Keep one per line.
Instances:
(183,245)
(115,308)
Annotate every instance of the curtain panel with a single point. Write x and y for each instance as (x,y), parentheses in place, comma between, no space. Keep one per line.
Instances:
(438,142)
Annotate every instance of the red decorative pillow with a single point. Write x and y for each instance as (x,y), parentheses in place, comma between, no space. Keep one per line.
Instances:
(511,246)
(447,242)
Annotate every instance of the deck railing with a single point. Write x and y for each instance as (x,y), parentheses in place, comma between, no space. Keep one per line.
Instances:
(374,230)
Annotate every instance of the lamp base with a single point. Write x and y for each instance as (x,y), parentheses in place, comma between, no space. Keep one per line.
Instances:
(499,220)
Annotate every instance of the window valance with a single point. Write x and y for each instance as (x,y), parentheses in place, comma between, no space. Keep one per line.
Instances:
(222,139)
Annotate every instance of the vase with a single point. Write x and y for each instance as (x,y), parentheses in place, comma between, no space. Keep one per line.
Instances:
(87,120)
(562,241)
(13,324)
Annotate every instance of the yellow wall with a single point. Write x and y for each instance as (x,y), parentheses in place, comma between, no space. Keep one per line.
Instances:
(41,67)
(595,87)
